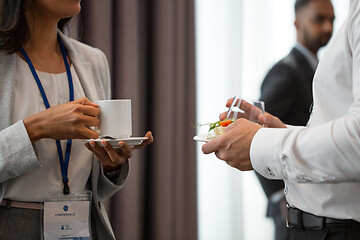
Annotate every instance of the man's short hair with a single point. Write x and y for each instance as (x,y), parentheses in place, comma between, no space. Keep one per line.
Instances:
(299,4)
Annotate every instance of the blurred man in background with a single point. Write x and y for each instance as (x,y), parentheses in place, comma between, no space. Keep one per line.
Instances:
(287,88)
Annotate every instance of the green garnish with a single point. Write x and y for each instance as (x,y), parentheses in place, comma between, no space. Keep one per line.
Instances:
(223,123)
(214,125)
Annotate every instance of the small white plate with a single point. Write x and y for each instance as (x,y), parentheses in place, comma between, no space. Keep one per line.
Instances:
(202,137)
(131,141)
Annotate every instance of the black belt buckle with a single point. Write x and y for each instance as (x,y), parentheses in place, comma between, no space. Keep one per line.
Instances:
(312,222)
(303,220)
(294,219)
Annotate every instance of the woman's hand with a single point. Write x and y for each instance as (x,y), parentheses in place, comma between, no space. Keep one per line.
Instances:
(66,121)
(112,158)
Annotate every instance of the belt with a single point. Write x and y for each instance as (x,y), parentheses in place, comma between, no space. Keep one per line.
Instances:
(28,205)
(299,219)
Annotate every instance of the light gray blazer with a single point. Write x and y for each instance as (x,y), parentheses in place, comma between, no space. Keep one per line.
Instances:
(17,155)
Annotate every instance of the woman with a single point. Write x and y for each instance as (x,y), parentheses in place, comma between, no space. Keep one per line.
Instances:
(39,69)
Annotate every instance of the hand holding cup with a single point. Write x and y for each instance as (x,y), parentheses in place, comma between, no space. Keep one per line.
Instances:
(253,111)
(240,108)
(115,123)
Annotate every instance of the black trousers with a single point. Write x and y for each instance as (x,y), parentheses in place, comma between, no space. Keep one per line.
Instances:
(330,233)
(305,226)
(281,231)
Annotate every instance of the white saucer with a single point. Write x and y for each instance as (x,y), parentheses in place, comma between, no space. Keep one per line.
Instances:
(202,137)
(131,141)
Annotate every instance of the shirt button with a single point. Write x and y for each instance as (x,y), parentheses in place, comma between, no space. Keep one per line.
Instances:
(270,172)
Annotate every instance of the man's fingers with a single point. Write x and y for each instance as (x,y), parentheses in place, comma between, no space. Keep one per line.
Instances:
(264,119)
(222,116)
(270,121)
(246,107)
(211,146)
(229,102)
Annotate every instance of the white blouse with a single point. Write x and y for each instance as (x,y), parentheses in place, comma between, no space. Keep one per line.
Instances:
(46,180)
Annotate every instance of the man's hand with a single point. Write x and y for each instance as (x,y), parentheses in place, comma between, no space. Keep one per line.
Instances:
(234,146)
(271,121)
(265,119)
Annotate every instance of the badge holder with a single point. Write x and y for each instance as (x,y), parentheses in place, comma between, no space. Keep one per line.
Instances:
(67,216)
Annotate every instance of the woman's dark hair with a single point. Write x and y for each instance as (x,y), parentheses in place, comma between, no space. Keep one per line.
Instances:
(14,29)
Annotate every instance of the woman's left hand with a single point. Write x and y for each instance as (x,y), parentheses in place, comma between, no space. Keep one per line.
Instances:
(112,158)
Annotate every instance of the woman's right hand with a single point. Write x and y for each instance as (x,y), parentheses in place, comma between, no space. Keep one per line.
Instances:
(66,121)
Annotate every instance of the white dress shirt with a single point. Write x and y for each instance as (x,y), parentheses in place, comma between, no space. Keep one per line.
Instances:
(321,163)
(46,180)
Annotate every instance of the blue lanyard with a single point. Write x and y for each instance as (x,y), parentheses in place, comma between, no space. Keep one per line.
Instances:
(64,164)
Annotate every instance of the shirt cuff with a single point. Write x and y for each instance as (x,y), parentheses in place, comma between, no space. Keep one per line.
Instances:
(265,152)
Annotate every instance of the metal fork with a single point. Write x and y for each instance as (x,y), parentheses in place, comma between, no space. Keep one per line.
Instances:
(231,107)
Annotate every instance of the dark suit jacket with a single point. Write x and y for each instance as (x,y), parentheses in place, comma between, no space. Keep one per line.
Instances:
(287,93)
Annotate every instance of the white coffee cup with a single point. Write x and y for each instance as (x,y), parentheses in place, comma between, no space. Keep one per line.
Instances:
(115,118)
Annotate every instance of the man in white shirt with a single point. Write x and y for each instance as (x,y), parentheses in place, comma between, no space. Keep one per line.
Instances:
(320,164)
(287,89)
